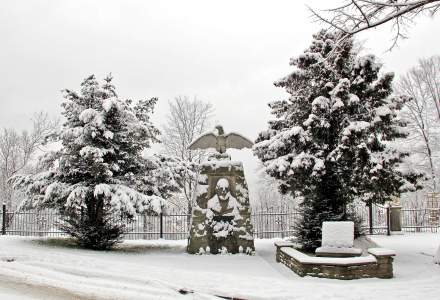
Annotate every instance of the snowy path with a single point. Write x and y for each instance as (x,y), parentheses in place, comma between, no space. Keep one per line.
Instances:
(12,290)
(159,269)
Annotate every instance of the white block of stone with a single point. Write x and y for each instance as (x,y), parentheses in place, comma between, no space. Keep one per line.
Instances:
(338,234)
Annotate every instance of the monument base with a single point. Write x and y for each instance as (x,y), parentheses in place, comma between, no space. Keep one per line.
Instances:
(221,220)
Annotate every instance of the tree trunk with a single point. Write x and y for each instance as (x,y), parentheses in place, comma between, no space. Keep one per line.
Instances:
(189,213)
(431,163)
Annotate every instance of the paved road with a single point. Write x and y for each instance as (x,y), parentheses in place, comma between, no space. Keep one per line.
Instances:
(12,290)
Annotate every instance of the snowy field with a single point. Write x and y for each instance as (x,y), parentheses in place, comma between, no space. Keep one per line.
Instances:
(33,268)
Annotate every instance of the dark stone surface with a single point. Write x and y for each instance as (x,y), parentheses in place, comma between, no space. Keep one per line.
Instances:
(395,218)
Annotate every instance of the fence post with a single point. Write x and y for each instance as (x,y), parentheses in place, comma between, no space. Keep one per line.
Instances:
(370,217)
(388,219)
(161,225)
(4,219)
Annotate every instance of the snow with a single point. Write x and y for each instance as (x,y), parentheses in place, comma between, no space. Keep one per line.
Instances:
(96,153)
(338,250)
(302,160)
(383,111)
(10,290)
(353,99)
(381,252)
(338,104)
(280,141)
(120,196)
(279,164)
(321,102)
(216,164)
(342,86)
(356,126)
(108,134)
(102,189)
(284,244)
(333,261)
(319,164)
(223,183)
(88,115)
(158,269)
(107,104)
(201,189)
(338,234)
(77,197)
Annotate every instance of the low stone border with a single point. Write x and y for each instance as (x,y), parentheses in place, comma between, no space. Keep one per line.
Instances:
(377,264)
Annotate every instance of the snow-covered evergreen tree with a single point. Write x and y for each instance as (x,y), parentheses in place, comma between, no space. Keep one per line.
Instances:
(163,175)
(99,177)
(332,139)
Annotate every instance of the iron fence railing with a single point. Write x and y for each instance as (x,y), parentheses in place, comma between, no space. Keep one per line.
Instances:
(374,220)
(271,222)
(411,220)
(421,220)
(268,222)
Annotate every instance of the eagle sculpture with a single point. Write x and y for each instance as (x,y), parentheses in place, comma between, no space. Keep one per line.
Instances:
(220,141)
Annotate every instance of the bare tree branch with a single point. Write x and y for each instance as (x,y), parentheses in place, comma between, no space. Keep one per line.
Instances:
(17,150)
(422,85)
(187,119)
(359,15)
(362,12)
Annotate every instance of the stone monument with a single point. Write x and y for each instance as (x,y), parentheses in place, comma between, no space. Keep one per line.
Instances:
(221,219)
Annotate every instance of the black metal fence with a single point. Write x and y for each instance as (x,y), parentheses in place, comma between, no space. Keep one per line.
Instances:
(421,220)
(46,223)
(375,219)
(268,222)
(271,222)
(378,219)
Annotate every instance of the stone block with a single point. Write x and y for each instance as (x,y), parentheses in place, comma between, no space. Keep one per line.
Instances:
(221,220)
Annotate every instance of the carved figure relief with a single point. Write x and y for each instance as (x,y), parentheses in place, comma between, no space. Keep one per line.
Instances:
(222,203)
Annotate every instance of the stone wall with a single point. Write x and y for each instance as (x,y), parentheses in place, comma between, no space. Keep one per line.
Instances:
(383,268)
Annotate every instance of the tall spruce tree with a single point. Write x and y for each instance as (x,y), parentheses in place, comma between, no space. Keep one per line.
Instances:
(99,177)
(332,139)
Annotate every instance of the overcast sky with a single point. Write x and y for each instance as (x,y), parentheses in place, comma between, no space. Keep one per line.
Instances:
(225,52)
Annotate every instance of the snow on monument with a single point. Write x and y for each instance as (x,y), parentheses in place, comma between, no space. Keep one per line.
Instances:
(221,219)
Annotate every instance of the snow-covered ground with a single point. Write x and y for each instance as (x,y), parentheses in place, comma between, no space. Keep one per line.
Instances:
(40,269)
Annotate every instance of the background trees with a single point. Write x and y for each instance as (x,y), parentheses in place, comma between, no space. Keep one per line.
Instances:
(422,85)
(186,120)
(267,194)
(18,151)
(331,141)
